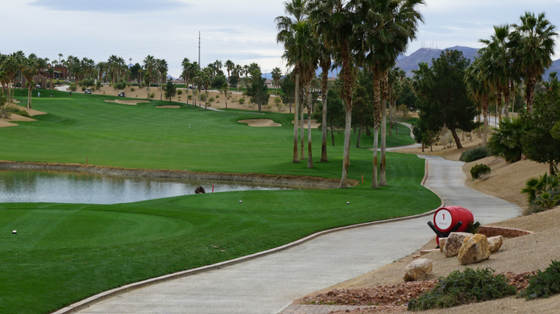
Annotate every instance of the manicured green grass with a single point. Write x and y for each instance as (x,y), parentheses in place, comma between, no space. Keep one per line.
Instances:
(66,252)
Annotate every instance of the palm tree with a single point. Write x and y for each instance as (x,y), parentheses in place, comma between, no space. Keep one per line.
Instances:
(51,74)
(276,76)
(59,56)
(29,70)
(478,88)
(325,61)
(229,66)
(334,20)
(499,64)
(533,41)
(237,71)
(149,64)
(286,34)
(162,70)
(206,81)
(384,32)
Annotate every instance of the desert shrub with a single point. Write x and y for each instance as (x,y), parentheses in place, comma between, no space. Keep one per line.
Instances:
(241,101)
(119,85)
(87,82)
(544,284)
(464,287)
(152,95)
(535,187)
(211,99)
(189,97)
(73,87)
(142,85)
(474,154)
(132,89)
(479,170)
(83,88)
(179,92)
(98,85)
(548,199)
(202,97)
(16,110)
(217,96)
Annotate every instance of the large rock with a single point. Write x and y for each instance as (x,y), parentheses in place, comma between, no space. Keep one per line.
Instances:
(475,249)
(418,270)
(442,244)
(454,243)
(495,243)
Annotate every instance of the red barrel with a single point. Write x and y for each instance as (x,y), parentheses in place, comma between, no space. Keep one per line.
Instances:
(446,218)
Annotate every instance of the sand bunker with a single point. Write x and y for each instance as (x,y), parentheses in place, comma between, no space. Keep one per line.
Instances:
(5,124)
(314,123)
(17,117)
(172,107)
(260,123)
(131,102)
(31,112)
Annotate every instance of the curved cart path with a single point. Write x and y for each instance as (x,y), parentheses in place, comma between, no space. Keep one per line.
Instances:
(269,284)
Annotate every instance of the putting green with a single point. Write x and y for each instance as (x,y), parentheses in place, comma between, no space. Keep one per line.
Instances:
(46,229)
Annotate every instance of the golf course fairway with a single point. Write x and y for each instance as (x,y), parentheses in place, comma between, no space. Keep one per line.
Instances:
(63,253)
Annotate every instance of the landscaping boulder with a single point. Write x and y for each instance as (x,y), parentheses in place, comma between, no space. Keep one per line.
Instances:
(495,243)
(454,243)
(475,249)
(418,270)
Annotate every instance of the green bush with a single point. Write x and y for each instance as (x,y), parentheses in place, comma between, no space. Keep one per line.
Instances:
(98,86)
(474,154)
(152,95)
(179,92)
(142,85)
(464,287)
(83,88)
(132,89)
(16,110)
(241,101)
(120,85)
(544,284)
(479,170)
(73,87)
(202,97)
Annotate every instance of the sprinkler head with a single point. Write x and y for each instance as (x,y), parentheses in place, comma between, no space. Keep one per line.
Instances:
(14,232)
(240,201)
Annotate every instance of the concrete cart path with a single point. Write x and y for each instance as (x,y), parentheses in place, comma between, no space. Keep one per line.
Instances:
(269,284)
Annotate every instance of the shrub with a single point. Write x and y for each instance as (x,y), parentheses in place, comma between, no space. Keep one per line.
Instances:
(217,96)
(211,99)
(241,101)
(479,170)
(535,187)
(73,87)
(474,154)
(142,85)
(83,88)
(179,92)
(544,284)
(464,287)
(152,95)
(16,110)
(506,140)
(202,97)
(132,89)
(120,85)
(98,85)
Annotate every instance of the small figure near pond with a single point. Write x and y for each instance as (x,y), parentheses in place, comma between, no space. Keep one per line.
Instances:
(199,190)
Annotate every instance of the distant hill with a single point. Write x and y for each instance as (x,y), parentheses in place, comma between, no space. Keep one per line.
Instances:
(410,63)
(555,67)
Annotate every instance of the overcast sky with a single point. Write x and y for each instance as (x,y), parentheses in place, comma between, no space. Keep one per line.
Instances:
(240,30)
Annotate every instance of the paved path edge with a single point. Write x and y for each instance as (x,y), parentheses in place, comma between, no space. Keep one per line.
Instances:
(83,304)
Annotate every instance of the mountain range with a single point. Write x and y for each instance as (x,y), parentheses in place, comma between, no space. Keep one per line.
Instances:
(410,63)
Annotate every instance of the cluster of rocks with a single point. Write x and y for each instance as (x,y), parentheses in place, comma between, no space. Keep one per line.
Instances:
(469,249)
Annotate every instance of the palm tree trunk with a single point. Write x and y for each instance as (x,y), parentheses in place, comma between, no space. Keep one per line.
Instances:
(506,99)
(374,184)
(324,87)
(359,134)
(346,156)
(499,106)
(206,101)
(309,98)
(295,158)
(382,167)
(332,134)
(530,93)
(302,129)
(485,112)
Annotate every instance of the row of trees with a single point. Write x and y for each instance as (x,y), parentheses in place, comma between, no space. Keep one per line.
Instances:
(368,34)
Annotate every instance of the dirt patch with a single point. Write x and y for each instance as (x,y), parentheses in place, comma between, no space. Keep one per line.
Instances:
(127,102)
(314,124)
(171,107)
(506,180)
(259,123)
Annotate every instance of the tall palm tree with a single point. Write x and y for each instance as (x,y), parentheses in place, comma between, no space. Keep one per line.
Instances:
(237,72)
(29,70)
(325,62)
(478,88)
(385,30)
(162,68)
(334,20)
(229,66)
(286,35)
(149,64)
(276,76)
(533,40)
(499,64)
(206,80)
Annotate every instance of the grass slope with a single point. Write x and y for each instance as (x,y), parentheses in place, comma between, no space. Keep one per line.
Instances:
(66,252)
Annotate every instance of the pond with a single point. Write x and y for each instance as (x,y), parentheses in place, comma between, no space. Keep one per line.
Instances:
(85,188)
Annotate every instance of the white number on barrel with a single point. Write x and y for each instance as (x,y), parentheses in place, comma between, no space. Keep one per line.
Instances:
(443,219)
